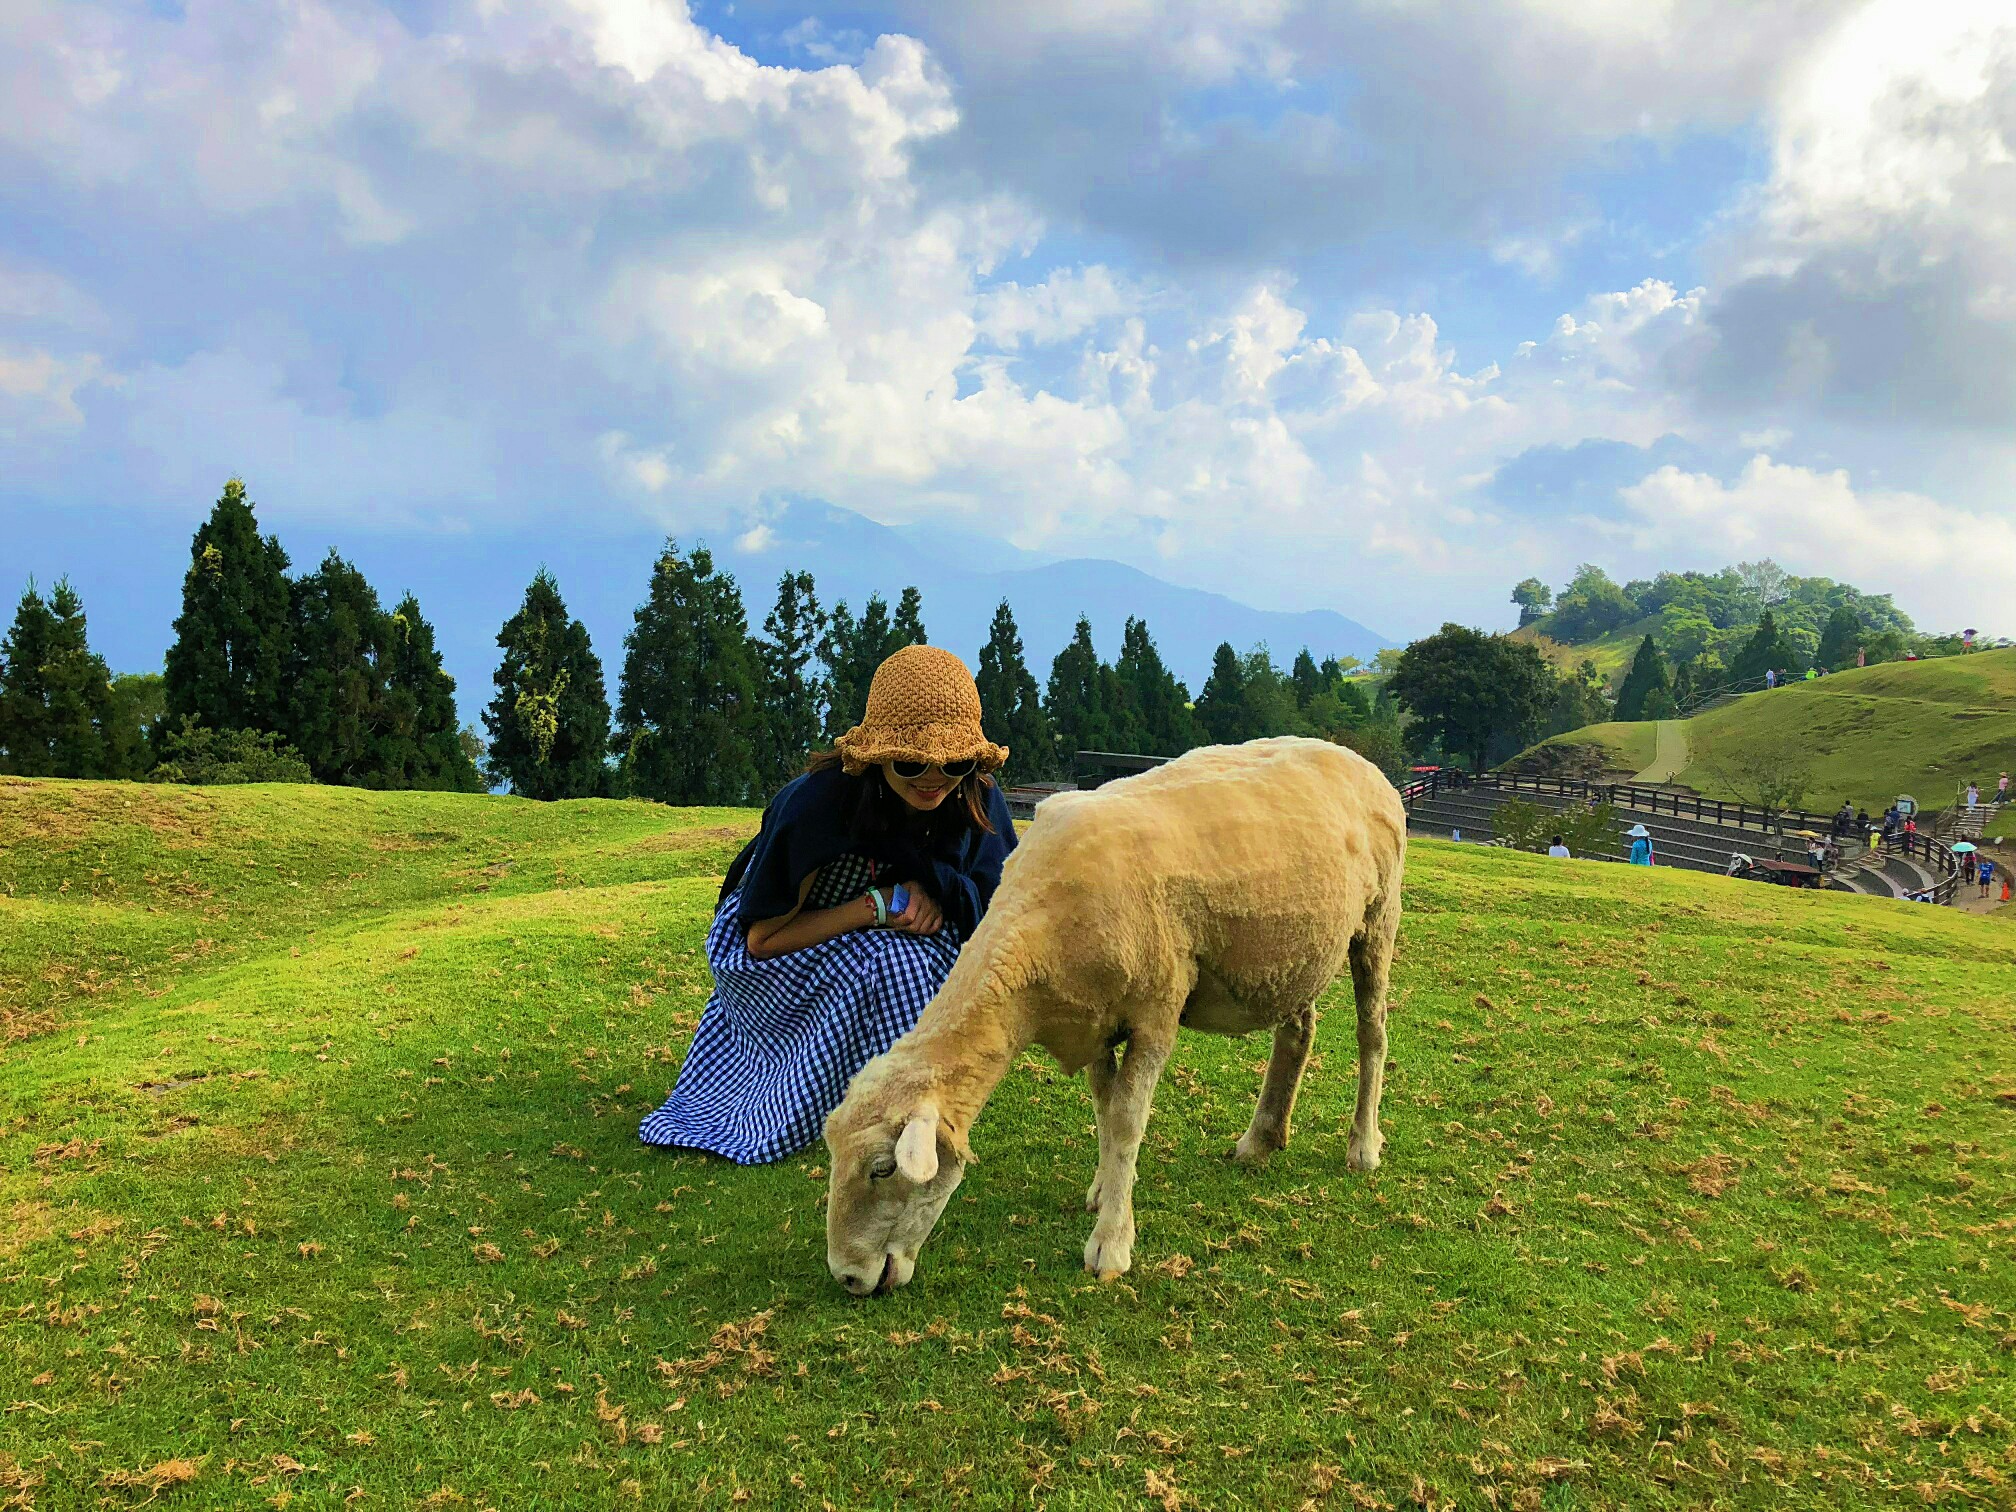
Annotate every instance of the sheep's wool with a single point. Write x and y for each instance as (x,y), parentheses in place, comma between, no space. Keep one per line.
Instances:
(922,706)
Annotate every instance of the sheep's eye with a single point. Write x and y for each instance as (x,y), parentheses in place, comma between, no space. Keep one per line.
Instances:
(881,1167)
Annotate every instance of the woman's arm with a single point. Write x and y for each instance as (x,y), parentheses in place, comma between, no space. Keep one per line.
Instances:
(800,930)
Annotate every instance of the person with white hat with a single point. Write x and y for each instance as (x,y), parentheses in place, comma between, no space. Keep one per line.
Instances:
(840,920)
(1641,845)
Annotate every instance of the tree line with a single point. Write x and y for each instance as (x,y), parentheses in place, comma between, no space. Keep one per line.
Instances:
(1707,632)
(272,677)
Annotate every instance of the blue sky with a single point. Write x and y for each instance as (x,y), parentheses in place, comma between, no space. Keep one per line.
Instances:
(1331,305)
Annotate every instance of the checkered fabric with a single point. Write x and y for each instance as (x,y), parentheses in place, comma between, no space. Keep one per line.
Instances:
(839,880)
(781,1038)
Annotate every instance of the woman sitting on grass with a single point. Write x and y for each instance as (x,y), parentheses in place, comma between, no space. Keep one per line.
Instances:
(838,922)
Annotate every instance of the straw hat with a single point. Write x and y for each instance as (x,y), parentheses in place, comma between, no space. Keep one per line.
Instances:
(922,706)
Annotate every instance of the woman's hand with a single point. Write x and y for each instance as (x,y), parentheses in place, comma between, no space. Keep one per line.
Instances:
(921,916)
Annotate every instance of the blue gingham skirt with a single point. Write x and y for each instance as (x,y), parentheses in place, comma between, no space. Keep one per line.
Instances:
(781,1038)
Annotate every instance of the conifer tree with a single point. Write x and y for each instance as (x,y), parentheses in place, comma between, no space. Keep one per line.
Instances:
(1268,698)
(1766,650)
(27,737)
(1840,640)
(844,698)
(1155,708)
(549,723)
(1081,702)
(84,737)
(909,627)
(852,650)
(792,690)
(336,711)
(1647,676)
(423,745)
(227,666)
(1011,705)
(689,724)
(1221,707)
(1307,679)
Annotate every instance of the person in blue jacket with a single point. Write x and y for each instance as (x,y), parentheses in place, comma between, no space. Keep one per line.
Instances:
(1641,845)
(838,922)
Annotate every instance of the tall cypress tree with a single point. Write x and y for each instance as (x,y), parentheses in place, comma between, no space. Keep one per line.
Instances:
(792,690)
(1840,640)
(1647,677)
(844,697)
(227,667)
(84,737)
(423,745)
(1221,707)
(688,720)
(1157,717)
(336,709)
(909,627)
(1083,698)
(1011,705)
(1307,679)
(549,723)
(27,736)
(1765,650)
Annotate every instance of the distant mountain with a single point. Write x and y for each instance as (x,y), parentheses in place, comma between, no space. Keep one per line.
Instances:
(468,585)
(852,556)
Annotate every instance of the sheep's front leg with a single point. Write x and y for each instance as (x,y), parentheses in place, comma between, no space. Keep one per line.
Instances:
(1110,1250)
(1099,1075)
(1268,1131)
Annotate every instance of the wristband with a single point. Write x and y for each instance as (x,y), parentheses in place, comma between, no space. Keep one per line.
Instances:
(881,908)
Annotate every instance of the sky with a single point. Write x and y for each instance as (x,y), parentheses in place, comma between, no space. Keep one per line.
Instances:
(1370,305)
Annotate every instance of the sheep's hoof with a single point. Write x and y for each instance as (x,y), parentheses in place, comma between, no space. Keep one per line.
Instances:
(1108,1255)
(1363,1154)
(1252,1148)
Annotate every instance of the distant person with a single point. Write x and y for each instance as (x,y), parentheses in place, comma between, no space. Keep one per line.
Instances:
(2002,788)
(1986,874)
(1862,825)
(1844,820)
(1811,674)
(1641,845)
(1770,678)
(1558,850)
(1456,835)
(1973,795)
(1910,833)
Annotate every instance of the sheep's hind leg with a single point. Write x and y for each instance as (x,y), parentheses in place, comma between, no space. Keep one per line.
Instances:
(1110,1250)
(1268,1131)
(1371,963)
(1099,1076)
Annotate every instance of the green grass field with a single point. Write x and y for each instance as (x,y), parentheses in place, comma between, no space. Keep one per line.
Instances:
(1923,728)
(322,1189)
(1611,653)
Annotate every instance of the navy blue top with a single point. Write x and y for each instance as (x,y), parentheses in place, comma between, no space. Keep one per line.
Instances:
(811,821)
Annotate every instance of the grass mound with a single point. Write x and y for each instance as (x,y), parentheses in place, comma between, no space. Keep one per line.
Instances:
(1694,1192)
(1924,728)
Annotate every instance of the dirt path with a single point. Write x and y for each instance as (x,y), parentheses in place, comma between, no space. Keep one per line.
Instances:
(1670,756)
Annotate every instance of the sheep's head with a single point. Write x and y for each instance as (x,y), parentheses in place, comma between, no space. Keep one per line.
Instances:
(893,1173)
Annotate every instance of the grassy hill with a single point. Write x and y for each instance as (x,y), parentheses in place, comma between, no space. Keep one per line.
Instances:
(1867,735)
(1611,653)
(317,1149)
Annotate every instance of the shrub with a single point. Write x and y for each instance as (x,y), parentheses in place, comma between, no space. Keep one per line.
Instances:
(201,756)
(1532,826)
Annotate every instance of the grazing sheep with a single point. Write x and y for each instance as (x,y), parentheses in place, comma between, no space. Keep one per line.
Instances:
(1223,892)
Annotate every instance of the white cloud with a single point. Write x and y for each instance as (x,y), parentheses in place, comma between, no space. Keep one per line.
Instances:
(1067,304)
(38,391)
(1952,562)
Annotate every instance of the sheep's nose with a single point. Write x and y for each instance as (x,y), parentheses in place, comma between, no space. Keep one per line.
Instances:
(857,1284)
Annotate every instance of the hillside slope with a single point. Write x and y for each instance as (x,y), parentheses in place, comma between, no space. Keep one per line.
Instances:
(1924,728)
(318,1153)
(1611,653)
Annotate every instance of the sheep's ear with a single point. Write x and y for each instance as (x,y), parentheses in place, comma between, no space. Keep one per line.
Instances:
(917,1148)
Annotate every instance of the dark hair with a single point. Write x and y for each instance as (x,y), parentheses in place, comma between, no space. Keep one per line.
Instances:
(1556,840)
(878,808)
